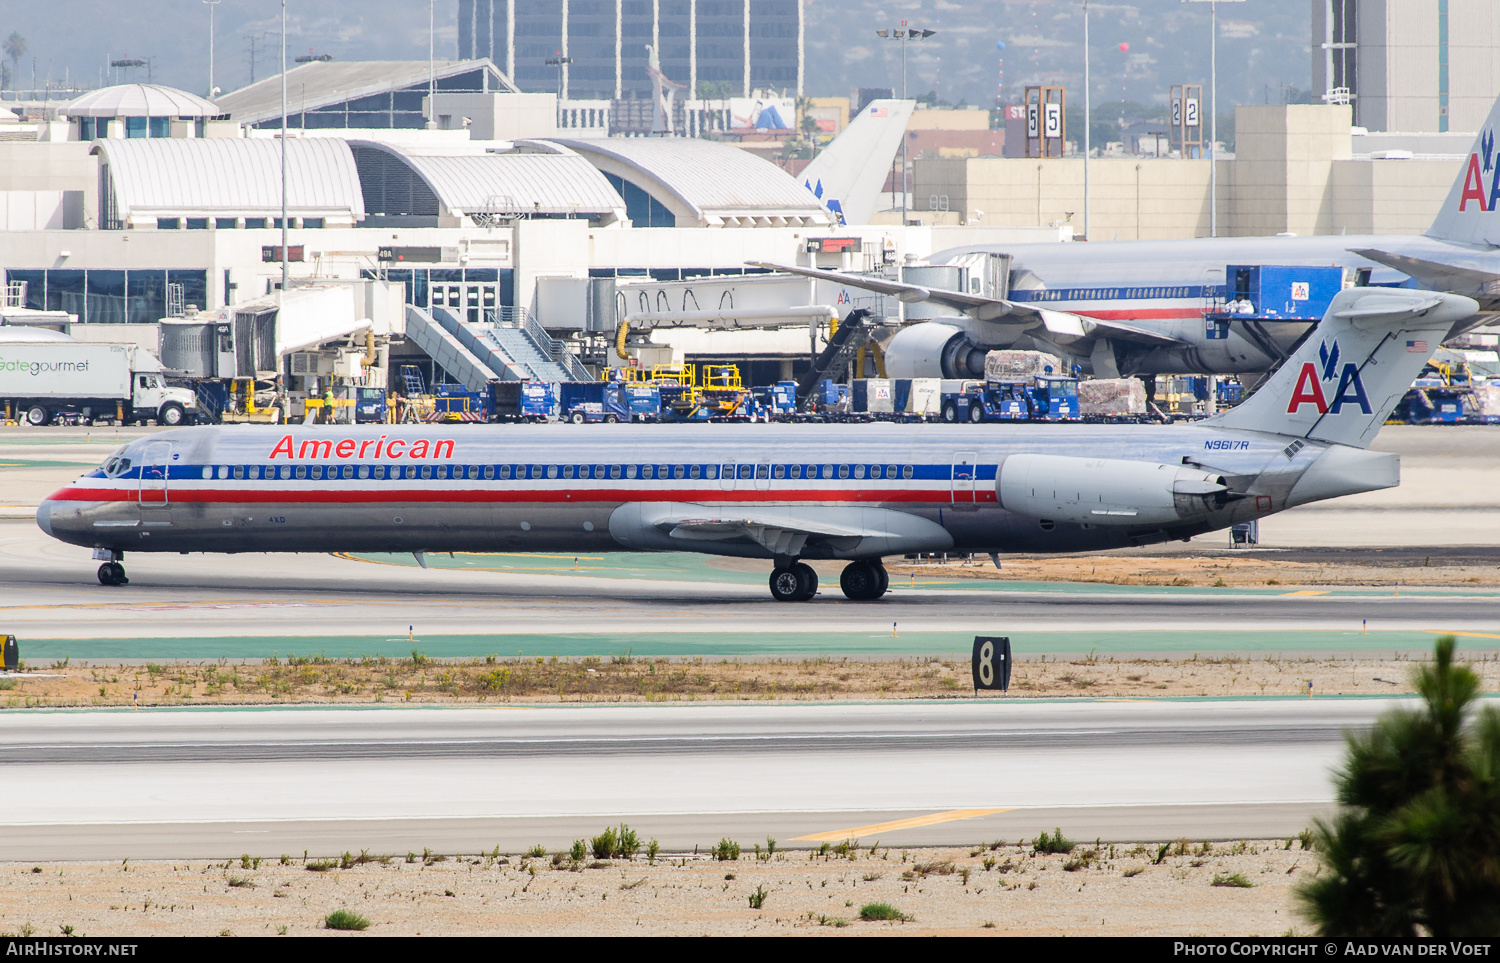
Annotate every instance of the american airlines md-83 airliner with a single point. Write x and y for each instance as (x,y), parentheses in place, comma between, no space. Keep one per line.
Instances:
(784,493)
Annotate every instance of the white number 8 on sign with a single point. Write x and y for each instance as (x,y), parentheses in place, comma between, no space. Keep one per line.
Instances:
(987,664)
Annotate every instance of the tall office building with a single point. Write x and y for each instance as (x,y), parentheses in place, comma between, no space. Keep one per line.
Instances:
(733,45)
(1409,65)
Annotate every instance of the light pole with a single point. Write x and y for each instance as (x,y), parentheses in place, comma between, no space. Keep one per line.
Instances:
(211,5)
(1086,120)
(284,270)
(904,33)
(1213,112)
(431,64)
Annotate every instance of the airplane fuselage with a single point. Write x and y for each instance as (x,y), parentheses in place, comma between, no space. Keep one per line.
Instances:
(1168,286)
(584,488)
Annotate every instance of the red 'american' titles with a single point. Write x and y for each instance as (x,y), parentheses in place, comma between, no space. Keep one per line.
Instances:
(327,448)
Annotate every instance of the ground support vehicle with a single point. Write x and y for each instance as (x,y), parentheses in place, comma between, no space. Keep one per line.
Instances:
(528,401)
(588,402)
(42,380)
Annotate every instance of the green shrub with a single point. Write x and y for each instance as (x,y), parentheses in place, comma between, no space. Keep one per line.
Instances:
(758,898)
(1056,843)
(1231,879)
(882,911)
(1414,849)
(727,849)
(342,919)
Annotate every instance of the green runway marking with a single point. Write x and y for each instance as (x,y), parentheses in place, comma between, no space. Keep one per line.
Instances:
(729,645)
(40,463)
(689,567)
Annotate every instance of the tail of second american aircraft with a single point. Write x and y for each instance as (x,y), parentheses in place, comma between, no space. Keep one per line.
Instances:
(847,176)
(1469,214)
(1351,371)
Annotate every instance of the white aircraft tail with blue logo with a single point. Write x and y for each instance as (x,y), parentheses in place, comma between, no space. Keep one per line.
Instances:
(1471,214)
(1348,375)
(848,177)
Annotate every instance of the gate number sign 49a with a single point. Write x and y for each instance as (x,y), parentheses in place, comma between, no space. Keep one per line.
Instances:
(991,663)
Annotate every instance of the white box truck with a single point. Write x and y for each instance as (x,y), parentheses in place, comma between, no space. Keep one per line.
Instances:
(41,379)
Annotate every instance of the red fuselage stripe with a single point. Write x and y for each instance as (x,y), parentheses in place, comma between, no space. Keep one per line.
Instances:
(513,496)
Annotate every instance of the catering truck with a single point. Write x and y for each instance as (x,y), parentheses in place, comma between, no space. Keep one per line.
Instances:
(40,380)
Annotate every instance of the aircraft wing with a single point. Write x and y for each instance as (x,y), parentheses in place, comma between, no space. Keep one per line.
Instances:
(1440,277)
(793,531)
(1059,327)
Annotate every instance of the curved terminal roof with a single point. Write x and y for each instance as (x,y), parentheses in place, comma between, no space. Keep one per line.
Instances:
(140,100)
(323,83)
(467,180)
(706,183)
(231,177)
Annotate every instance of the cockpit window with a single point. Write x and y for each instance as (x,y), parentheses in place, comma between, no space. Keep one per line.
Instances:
(114,464)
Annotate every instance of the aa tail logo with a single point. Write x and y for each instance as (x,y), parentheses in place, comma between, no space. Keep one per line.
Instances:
(1481,162)
(1309,389)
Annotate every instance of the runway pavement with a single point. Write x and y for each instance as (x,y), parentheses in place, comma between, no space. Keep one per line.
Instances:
(90,784)
(251,606)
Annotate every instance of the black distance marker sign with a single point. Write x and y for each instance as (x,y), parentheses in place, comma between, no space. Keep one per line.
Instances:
(991,663)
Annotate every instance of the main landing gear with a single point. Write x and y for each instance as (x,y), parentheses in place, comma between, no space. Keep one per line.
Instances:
(862,581)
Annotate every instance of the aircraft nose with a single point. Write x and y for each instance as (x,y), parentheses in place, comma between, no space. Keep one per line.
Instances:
(44,516)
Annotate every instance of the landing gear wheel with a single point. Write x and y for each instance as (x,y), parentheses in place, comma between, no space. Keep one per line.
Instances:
(112,573)
(796,583)
(808,579)
(786,586)
(863,581)
(976,415)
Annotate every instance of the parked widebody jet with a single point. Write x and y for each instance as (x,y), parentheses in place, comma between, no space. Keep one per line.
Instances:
(1138,307)
(782,492)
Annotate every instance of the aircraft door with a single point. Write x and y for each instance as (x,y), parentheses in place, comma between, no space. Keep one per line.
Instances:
(965,468)
(155,503)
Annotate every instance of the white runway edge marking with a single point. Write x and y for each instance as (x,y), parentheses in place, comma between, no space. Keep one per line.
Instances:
(615,814)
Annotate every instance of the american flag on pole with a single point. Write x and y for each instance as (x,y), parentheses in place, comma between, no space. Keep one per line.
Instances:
(878,112)
(1416,347)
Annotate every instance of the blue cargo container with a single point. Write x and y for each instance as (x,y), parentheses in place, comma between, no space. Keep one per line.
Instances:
(457,403)
(1281,293)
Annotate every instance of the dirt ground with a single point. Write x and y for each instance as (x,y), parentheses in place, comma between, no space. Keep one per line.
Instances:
(1171,888)
(1463,568)
(622,679)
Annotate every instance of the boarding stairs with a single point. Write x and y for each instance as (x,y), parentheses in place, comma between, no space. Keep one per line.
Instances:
(475,354)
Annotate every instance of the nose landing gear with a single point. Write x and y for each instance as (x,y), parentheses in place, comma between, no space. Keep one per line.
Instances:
(864,581)
(112,573)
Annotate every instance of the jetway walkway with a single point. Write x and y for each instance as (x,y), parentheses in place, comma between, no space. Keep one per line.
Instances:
(475,354)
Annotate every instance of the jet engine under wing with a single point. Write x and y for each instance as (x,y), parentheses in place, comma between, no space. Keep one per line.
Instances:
(1073,332)
(838,532)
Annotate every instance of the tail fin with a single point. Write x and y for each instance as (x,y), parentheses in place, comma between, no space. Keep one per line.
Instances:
(850,172)
(1352,370)
(1469,215)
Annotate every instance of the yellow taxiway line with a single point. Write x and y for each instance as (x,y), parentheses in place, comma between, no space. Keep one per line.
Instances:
(1304,593)
(1467,635)
(916,821)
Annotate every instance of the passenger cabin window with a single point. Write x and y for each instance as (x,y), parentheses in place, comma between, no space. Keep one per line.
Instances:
(505,472)
(301,471)
(747,471)
(239,471)
(779,471)
(907,471)
(551,471)
(843,471)
(762,471)
(567,471)
(614,471)
(678,471)
(827,471)
(489,472)
(695,471)
(630,471)
(859,471)
(890,471)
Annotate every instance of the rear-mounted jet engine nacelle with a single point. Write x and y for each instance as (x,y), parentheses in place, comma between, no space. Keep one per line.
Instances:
(1106,491)
(934,350)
